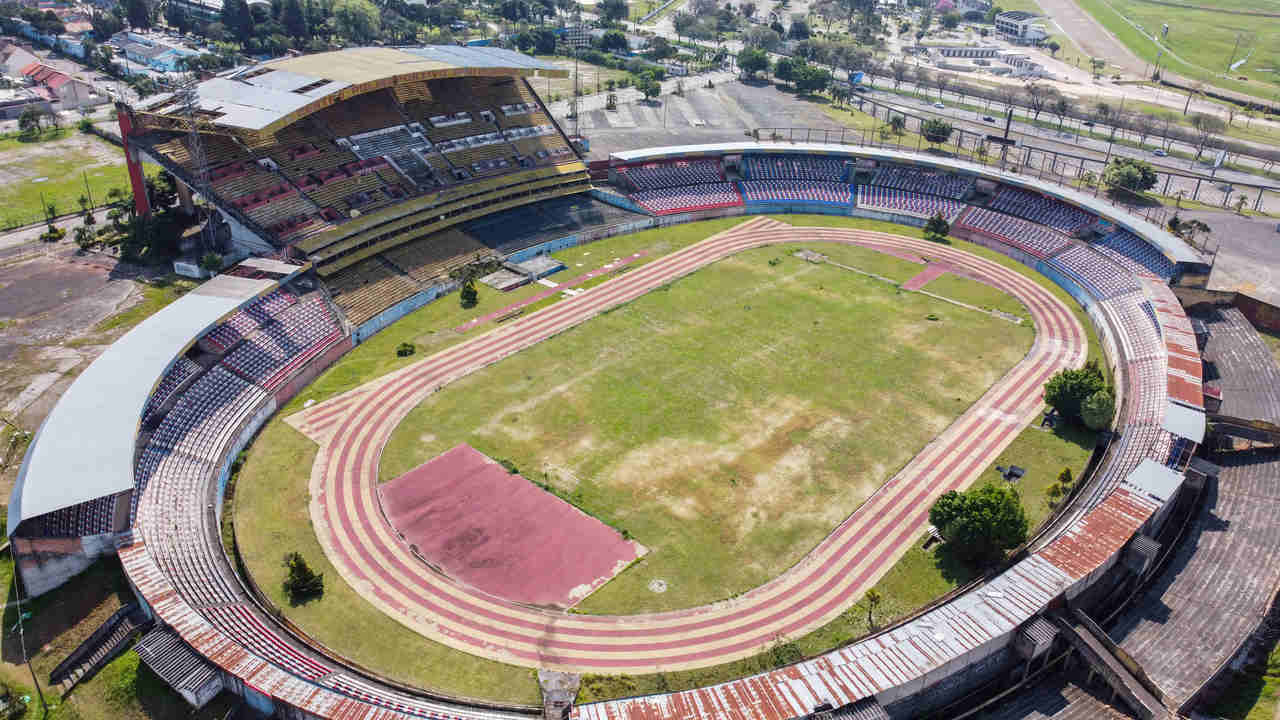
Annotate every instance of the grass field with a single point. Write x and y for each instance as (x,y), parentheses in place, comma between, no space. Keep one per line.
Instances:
(1254,693)
(1203,37)
(59,170)
(591,78)
(275,477)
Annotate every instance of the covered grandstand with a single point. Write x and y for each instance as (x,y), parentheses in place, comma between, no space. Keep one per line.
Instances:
(197,401)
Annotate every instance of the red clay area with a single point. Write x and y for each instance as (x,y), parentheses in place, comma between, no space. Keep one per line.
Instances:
(501,533)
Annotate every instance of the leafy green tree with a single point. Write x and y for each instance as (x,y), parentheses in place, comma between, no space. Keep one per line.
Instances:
(936,130)
(85,238)
(137,13)
(469,296)
(1128,173)
(811,78)
(614,41)
(649,86)
(937,229)
(1098,409)
(237,20)
(357,20)
(981,523)
(1067,390)
(175,15)
(784,69)
(29,121)
(753,60)
(898,123)
(294,19)
(951,20)
(612,10)
(211,262)
(301,582)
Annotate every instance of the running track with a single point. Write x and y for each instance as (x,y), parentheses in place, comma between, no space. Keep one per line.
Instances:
(353,428)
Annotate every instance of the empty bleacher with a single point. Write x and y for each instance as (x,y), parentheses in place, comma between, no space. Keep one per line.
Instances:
(653,176)
(780,191)
(1023,234)
(929,182)
(793,167)
(243,322)
(298,333)
(1042,210)
(687,198)
(367,288)
(1101,277)
(908,203)
(96,517)
(1138,253)
(430,259)
(183,370)
(374,111)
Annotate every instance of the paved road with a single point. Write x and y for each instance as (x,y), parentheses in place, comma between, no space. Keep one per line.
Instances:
(353,428)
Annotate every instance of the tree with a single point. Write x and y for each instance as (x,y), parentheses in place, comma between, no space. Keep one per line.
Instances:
(753,60)
(468,297)
(1039,97)
(175,15)
(784,69)
(1128,173)
(301,583)
(356,20)
(294,19)
(211,262)
(937,229)
(649,86)
(873,602)
(1060,107)
(899,70)
(614,41)
(1053,47)
(1067,390)
(761,38)
(799,29)
(982,523)
(810,78)
(1206,127)
(237,19)
(1098,409)
(85,238)
(612,10)
(936,130)
(951,20)
(137,13)
(29,121)
(898,123)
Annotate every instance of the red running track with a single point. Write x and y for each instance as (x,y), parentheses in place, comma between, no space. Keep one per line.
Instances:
(352,430)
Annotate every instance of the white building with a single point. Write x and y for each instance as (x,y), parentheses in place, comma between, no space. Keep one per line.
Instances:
(1021,27)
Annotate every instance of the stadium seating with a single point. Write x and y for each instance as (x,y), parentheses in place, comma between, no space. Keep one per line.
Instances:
(269,355)
(777,191)
(665,201)
(1098,275)
(908,203)
(95,517)
(183,370)
(922,181)
(1136,253)
(226,334)
(1035,239)
(652,176)
(797,167)
(375,110)
(428,260)
(1040,209)
(367,288)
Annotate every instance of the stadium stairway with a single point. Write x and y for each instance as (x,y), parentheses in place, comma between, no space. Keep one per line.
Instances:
(101,647)
(1085,636)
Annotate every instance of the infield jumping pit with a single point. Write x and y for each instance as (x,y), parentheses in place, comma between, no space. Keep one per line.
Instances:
(467,516)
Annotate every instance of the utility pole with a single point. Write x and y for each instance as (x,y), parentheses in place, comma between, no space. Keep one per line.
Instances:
(22,641)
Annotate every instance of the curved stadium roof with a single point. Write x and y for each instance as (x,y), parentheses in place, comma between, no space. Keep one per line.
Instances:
(263,98)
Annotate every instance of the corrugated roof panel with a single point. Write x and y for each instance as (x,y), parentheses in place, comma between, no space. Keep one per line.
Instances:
(1100,534)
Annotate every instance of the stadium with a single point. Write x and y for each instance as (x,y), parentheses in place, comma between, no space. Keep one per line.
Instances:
(355,185)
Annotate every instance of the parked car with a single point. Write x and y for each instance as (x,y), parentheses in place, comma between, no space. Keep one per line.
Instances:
(1159,152)
(939,105)
(1087,123)
(988,118)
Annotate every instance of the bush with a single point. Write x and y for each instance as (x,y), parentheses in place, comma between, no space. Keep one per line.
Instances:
(937,229)
(405,349)
(469,297)
(302,583)
(1130,174)
(1098,409)
(85,125)
(1067,390)
(981,523)
(53,234)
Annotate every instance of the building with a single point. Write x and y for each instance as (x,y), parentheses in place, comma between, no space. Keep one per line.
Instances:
(154,51)
(15,57)
(62,90)
(970,8)
(1021,27)
(969,51)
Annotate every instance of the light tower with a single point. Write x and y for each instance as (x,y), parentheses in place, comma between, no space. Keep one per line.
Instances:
(187,99)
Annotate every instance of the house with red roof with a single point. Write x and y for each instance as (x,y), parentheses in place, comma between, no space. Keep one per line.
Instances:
(64,91)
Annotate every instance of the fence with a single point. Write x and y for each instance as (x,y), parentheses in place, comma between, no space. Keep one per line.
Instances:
(1060,167)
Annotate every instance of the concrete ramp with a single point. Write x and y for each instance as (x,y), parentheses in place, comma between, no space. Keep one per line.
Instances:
(1097,650)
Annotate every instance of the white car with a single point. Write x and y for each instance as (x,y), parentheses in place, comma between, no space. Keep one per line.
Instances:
(1159,152)
(939,105)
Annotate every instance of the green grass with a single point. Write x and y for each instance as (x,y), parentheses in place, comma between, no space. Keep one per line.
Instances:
(67,163)
(277,472)
(1204,38)
(1271,340)
(155,296)
(978,294)
(1254,694)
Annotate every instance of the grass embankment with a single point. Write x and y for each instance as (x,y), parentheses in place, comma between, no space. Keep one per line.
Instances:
(58,169)
(272,497)
(1254,693)
(1204,38)
(62,619)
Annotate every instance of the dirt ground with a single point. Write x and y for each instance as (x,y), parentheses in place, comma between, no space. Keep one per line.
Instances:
(50,302)
(20,162)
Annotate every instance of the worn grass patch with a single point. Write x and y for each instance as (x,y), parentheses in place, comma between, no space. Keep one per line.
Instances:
(727,421)
(56,171)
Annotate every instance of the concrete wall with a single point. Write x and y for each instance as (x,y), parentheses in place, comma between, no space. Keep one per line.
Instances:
(46,563)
